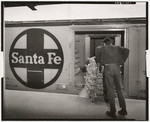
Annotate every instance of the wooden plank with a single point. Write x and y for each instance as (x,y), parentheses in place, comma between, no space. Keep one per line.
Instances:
(133,61)
(142,60)
(75,22)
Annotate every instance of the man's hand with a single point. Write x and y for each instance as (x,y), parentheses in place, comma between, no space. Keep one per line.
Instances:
(102,69)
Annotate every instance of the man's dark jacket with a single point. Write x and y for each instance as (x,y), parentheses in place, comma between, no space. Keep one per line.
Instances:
(111,54)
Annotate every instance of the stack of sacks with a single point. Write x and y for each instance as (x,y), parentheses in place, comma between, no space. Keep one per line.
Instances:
(93,79)
(99,83)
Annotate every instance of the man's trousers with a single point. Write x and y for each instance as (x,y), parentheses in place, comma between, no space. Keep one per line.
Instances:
(113,78)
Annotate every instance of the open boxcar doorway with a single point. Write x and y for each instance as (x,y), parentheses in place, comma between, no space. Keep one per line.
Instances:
(85,45)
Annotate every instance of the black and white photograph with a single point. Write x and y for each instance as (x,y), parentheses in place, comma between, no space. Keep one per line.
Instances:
(74,60)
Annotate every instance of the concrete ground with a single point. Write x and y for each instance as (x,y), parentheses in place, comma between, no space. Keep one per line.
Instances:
(27,105)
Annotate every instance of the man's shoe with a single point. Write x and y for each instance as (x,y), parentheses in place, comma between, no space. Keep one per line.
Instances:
(111,114)
(122,112)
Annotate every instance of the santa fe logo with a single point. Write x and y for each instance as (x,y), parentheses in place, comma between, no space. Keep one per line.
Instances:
(36,58)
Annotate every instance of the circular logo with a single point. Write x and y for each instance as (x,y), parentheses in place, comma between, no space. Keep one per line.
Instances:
(36,58)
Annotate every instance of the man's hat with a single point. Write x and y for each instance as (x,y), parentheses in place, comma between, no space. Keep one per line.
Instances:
(107,40)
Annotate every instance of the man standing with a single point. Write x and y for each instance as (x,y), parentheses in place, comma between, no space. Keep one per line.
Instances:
(111,57)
